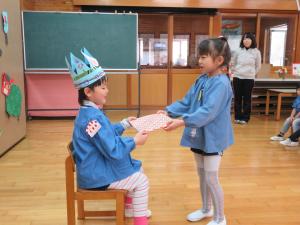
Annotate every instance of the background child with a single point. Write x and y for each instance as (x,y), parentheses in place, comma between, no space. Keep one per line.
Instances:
(293,120)
(102,155)
(205,113)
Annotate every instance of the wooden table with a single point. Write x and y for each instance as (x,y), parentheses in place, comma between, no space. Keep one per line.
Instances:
(280,93)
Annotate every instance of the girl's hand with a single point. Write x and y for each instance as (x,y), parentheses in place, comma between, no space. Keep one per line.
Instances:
(131,118)
(173,124)
(141,137)
(162,112)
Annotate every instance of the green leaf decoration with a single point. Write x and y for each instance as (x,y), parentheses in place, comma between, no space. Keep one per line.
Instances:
(14,101)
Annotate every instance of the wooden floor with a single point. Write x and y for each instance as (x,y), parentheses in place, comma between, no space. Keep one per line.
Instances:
(261,179)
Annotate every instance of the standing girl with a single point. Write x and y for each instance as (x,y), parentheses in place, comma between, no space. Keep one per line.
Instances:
(246,63)
(205,113)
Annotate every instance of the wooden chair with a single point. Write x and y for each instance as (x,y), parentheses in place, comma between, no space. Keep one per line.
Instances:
(79,195)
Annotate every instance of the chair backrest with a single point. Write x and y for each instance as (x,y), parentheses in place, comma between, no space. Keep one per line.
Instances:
(70,170)
(71,150)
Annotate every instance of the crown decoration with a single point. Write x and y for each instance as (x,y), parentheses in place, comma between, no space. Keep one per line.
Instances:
(85,72)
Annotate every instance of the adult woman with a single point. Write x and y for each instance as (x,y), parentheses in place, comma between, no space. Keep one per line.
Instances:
(246,62)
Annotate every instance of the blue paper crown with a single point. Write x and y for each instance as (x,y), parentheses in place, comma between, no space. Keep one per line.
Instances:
(84,73)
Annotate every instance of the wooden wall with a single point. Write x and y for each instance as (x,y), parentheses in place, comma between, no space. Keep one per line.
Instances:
(233,4)
(12,129)
(156,23)
(49,5)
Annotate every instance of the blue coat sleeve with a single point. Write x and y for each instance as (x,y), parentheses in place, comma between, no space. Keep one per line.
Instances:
(178,108)
(109,144)
(118,128)
(217,95)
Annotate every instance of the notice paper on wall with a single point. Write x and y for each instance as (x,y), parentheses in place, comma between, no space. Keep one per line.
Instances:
(5,25)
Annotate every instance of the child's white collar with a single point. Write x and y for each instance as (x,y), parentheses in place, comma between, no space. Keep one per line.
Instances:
(89,103)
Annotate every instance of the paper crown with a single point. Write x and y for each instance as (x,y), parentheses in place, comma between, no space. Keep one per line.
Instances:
(84,73)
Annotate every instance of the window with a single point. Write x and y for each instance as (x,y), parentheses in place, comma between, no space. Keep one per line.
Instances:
(277,38)
(278,43)
(153,51)
(146,55)
(180,50)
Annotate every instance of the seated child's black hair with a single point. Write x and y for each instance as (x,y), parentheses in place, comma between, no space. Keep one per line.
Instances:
(81,94)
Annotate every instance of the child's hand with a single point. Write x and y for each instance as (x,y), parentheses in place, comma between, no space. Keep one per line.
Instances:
(131,118)
(173,124)
(141,137)
(162,112)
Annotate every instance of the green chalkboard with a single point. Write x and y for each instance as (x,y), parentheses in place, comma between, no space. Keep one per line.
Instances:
(50,36)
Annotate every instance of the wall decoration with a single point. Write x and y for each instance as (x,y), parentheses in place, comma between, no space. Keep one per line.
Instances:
(6,84)
(232,27)
(296,69)
(14,101)
(5,25)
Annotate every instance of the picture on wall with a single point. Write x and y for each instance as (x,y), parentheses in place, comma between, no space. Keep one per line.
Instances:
(232,27)
(296,69)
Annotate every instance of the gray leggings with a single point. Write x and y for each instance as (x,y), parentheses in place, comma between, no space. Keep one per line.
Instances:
(288,123)
(210,188)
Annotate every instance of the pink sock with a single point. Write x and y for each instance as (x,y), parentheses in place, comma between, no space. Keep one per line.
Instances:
(128,202)
(142,220)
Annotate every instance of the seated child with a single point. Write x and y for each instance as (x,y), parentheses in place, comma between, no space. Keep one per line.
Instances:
(292,121)
(102,155)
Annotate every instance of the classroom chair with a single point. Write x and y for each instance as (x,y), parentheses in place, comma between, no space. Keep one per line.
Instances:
(79,195)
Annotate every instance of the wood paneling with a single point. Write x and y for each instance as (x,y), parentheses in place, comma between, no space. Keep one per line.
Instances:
(26,5)
(117,85)
(217,25)
(297,55)
(153,89)
(170,57)
(153,24)
(49,5)
(233,4)
(191,23)
(182,83)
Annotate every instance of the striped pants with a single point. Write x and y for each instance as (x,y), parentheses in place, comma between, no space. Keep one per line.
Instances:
(138,187)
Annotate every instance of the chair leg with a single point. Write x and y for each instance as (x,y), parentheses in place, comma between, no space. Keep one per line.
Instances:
(80,209)
(120,209)
(71,211)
